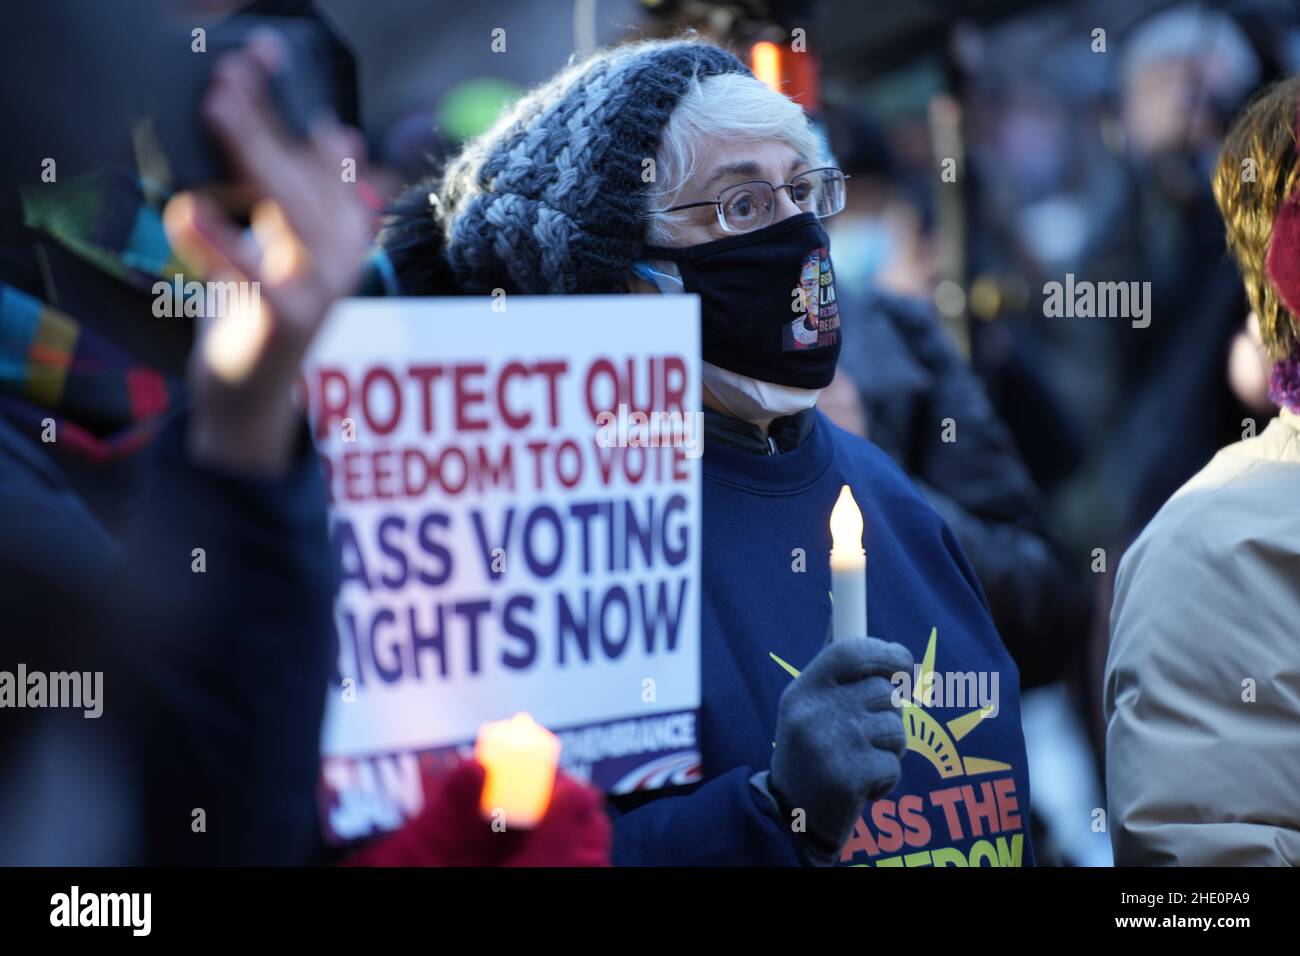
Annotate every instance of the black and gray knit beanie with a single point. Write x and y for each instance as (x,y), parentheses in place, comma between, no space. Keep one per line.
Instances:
(551,199)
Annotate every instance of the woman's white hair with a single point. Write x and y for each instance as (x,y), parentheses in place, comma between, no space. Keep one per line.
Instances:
(725,107)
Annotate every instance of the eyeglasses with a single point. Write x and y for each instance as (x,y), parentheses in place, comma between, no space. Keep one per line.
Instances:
(751,205)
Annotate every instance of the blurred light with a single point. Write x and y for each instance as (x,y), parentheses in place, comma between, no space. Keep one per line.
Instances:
(472,106)
(949,298)
(985,297)
(765,59)
(1054,229)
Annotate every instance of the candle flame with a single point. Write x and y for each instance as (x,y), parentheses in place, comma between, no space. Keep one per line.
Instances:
(519,757)
(846,524)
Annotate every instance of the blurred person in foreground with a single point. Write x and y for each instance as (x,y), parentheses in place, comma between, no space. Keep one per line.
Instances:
(172,534)
(808,758)
(164,503)
(1201,681)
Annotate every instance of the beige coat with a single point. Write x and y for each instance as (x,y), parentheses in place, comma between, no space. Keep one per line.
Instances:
(1202,695)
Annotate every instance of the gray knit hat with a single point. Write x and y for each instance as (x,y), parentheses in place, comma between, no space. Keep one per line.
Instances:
(551,199)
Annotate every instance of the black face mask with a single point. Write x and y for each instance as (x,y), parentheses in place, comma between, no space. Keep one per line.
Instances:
(768,301)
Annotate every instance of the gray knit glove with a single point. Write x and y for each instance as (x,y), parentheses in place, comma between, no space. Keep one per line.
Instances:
(839,740)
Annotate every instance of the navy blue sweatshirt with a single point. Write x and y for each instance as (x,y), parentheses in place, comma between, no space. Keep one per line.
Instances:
(964,795)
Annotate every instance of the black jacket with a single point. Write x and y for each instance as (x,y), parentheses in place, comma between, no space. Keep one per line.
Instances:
(912,381)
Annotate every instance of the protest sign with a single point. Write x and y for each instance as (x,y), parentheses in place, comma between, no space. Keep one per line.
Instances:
(515,508)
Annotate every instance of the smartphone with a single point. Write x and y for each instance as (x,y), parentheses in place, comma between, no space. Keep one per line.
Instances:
(301,90)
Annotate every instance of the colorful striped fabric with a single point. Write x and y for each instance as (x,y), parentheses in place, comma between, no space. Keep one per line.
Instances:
(54,369)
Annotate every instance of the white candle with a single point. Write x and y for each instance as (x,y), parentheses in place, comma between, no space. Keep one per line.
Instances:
(519,756)
(848,569)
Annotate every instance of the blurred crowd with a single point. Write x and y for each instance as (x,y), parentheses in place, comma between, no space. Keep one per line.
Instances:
(1091,155)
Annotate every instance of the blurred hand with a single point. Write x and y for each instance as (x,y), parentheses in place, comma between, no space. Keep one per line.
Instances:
(451,830)
(839,738)
(1248,368)
(312,235)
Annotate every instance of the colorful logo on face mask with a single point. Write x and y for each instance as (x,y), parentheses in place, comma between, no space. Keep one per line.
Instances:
(817,323)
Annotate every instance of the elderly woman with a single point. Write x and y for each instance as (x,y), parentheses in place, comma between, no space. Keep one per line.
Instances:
(661,167)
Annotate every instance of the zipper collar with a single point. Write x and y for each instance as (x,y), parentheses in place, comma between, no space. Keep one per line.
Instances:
(783,435)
